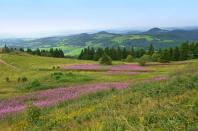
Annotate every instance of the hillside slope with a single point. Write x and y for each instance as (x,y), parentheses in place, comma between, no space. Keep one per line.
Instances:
(73,44)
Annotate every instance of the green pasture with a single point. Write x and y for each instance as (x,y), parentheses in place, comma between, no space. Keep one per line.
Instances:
(146,105)
(16,66)
(35,68)
(121,39)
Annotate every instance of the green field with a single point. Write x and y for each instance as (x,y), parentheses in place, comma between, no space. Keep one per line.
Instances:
(121,39)
(32,67)
(147,104)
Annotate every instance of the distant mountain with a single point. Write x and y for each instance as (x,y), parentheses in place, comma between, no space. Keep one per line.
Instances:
(176,34)
(155,31)
(72,44)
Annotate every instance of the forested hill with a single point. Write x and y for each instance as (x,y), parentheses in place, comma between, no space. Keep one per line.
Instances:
(73,44)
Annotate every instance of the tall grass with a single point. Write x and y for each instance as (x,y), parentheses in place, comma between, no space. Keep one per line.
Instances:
(166,105)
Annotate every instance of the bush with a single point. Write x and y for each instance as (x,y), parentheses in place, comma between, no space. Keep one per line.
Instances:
(144,59)
(7,79)
(105,60)
(129,58)
(70,73)
(35,83)
(33,113)
(57,73)
(156,57)
(24,79)
(19,79)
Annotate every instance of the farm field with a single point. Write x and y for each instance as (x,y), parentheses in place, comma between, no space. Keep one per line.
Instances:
(83,95)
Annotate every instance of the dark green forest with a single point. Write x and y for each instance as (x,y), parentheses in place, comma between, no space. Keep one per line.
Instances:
(58,53)
(184,52)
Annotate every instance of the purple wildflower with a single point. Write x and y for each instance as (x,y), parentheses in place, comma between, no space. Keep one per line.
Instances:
(53,96)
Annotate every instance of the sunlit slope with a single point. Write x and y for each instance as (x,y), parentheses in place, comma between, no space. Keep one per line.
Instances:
(15,66)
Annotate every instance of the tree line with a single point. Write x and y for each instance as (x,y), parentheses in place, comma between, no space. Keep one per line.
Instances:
(49,53)
(184,52)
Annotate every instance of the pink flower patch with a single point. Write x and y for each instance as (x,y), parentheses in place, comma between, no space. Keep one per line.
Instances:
(160,78)
(128,67)
(84,67)
(53,96)
(122,72)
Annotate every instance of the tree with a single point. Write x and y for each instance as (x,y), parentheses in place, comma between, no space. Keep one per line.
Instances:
(113,53)
(129,58)
(21,49)
(119,54)
(176,54)
(132,51)
(105,60)
(156,57)
(98,54)
(165,56)
(38,52)
(144,59)
(5,49)
(29,51)
(171,53)
(139,53)
(184,51)
(81,54)
(151,50)
(124,53)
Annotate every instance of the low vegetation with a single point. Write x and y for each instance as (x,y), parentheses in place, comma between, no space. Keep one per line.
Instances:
(105,60)
(129,58)
(167,105)
(144,59)
(44,93)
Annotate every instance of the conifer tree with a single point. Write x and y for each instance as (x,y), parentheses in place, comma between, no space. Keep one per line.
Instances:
(151,50)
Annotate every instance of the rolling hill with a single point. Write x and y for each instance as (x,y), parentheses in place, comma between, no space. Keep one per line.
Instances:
(73,44)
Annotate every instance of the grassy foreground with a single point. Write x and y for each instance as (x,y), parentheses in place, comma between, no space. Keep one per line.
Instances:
(167,105)
(146,104)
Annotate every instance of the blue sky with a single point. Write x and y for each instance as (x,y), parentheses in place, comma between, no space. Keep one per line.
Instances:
(28,16)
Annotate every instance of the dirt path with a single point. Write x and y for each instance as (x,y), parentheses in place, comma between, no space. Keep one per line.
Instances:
(54,96)
(5,63)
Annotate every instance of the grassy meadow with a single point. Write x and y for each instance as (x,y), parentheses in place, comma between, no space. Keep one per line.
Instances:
(147,103)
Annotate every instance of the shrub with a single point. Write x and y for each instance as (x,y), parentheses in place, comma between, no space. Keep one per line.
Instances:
(57,77)
(105,60)
(144,59)
(156,57)
(129,58)
(57,73)
(33,113)
(70,73)
(24,79)
(35,83)
(19,79)
(7,79)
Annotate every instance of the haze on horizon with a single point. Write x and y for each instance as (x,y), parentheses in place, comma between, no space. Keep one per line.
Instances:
(22,17)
